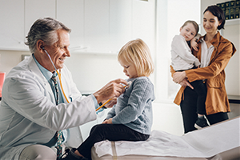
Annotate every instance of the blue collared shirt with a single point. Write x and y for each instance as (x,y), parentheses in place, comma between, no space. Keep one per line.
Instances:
(48,75)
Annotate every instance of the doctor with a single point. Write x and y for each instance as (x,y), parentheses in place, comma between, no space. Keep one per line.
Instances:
(35,111)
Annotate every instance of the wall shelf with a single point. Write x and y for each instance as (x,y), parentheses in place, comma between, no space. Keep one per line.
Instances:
(232,21)
(95,53)
(14,49)
(72,51)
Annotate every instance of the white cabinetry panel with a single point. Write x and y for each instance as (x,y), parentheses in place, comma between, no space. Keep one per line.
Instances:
(12,24)
(120,23)
(96,25)
(143,20)
(71,13)
(35,9)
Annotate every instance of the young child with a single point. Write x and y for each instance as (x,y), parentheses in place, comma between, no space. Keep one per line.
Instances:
(131,118)
(183,59)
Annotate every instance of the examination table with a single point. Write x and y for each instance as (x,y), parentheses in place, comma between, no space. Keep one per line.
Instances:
(216,142)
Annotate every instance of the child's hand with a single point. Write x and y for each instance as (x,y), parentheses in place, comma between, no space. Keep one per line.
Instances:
(107,121)
(194,44)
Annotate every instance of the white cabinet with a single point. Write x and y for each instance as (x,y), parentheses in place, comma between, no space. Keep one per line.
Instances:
(96,25)
(71,13)
(109,24)
(120,24)
(12,24)
(16,18)
(35,9)
(143,22)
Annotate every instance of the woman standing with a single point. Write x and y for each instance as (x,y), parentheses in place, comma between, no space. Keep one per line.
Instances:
(214,54)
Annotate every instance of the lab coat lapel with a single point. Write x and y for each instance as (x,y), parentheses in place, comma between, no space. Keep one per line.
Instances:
(34,68)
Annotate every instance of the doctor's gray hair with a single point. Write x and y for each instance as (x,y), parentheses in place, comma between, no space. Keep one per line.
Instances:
(45,30)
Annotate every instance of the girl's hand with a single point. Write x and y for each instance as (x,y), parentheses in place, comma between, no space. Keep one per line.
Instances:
(107,121)
(194,44)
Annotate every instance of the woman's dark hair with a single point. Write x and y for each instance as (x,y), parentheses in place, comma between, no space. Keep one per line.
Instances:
(218,12)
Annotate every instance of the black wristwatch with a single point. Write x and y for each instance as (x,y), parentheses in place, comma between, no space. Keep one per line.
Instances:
(100,104)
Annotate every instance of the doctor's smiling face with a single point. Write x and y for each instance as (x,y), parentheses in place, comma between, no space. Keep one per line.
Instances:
(58,51)
(48,36)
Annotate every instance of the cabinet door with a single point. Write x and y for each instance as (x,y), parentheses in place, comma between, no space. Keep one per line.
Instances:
(143,16)
(35,9)
(12,24)
(120,24)
(71,13)
(96,25)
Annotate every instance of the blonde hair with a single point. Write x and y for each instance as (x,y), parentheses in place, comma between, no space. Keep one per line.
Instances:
(138,53)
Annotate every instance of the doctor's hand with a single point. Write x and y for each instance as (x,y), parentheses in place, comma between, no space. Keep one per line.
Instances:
(113,89)
(111,103)
(107,121)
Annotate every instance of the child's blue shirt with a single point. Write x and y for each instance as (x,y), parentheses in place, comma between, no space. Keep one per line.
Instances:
(134,106)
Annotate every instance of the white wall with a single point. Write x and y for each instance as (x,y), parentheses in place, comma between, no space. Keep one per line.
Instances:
(91,72)
(171,15)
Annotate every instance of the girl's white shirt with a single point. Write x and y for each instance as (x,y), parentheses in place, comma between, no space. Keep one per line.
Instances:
(206,54)
(181,55)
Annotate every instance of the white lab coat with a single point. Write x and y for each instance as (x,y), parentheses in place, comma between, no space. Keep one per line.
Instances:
(28,114)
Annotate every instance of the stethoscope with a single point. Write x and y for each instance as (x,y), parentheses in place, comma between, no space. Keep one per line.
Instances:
(59,74)
(59,77)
